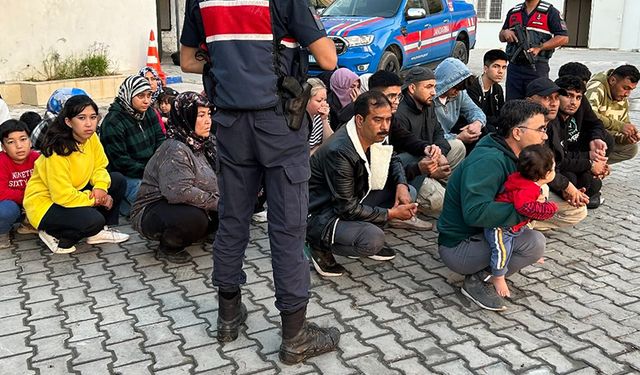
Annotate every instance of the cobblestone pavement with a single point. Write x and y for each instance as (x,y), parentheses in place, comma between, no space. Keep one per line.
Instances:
(115,309)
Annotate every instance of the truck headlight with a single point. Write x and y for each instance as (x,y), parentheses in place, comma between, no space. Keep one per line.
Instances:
(359,40)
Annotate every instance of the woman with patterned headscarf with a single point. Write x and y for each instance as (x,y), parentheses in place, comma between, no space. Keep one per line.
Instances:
(177,202)
(157,88)
(130,134)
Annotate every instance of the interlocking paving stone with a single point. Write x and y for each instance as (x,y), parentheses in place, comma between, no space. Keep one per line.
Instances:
(127,352)
(560,362)
(248,360)
(96,367)
(14,344)
(472,354)
(596,359)
(168,355)
(53,366)
(50,347)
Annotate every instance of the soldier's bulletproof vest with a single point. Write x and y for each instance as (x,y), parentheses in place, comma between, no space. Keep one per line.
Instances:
(537,29)
(249,51)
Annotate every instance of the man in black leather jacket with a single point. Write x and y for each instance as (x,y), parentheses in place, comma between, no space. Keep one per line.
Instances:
(357,185)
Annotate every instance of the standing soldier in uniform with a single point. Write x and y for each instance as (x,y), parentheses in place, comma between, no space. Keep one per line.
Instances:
(546,31)
(255,75)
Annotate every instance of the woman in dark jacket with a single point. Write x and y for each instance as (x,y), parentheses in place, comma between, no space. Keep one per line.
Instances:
(178,198)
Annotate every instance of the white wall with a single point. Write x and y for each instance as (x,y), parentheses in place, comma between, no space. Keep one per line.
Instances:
(630,35)
(487,31)
(30,29)
(606,17)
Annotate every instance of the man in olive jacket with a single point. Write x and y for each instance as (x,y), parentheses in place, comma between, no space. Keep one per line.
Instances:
(470,206)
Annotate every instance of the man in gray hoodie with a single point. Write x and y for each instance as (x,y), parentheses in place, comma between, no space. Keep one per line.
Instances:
(453,105)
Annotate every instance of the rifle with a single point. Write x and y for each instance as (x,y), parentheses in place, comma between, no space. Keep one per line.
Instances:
(523,46)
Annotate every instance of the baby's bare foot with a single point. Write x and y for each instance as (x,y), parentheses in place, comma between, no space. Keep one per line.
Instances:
(500,284)
(540,261)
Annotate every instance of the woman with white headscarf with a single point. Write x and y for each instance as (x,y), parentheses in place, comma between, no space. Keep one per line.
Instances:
(130,134)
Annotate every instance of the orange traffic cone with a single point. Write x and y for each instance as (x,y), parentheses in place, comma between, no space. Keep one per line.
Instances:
(153,59)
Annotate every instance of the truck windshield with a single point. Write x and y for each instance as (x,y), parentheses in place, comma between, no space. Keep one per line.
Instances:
(362,8)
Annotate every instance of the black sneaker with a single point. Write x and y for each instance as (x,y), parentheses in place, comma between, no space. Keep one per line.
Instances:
(309,342)
(324,262)
(595,201)
(481,293)
(386,253)
(177,256)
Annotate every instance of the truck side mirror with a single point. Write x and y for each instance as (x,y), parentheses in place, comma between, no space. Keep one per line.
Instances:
(415,14)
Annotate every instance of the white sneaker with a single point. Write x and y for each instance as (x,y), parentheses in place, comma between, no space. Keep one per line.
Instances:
(107,235)
(52,243)
(260,217)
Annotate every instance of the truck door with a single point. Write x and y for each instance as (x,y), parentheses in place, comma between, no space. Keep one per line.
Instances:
(439,40)
(413,32)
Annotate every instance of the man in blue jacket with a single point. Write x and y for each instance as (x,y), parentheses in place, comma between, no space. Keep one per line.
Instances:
(458,115)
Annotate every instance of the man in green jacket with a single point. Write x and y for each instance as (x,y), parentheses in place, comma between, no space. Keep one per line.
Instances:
(608,93)
(470,206)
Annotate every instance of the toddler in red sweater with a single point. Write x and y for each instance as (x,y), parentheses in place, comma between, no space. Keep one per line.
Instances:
(16,166)
(523,189)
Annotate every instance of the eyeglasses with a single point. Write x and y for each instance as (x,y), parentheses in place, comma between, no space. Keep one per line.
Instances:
(541,130)
(394,97)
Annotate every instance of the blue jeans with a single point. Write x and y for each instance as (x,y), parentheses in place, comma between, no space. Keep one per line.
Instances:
(133,185)
(501,243)
(10,214)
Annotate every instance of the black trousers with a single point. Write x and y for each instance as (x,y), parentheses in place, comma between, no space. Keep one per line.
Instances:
(71,224)
(519,76)
(176,226)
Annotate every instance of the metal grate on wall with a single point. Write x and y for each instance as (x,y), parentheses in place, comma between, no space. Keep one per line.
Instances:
(489,9)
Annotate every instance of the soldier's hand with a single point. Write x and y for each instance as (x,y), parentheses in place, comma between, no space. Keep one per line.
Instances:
(509,36)
(535,50)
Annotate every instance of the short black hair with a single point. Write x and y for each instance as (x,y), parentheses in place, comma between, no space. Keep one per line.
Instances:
(368,100)
(515,113)
(627,71)
(572,83)
(10,126)
(575,69)
(493,55)
(382,79)
(535,161)
(32,119)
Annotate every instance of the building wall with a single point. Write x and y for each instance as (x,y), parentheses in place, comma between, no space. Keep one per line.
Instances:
(615,25)
(169,38)
(30,30)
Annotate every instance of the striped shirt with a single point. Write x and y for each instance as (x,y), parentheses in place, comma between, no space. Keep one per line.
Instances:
(317,132)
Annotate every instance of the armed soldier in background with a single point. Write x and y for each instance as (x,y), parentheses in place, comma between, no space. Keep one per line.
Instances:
(542,30)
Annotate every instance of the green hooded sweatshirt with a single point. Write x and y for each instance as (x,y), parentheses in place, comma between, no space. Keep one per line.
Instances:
(612,113)
(469,201)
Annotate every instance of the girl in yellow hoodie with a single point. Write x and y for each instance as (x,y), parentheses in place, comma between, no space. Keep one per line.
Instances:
(70,195)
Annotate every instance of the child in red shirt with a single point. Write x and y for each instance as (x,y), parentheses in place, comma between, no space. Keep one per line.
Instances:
(16,166)
(536,168)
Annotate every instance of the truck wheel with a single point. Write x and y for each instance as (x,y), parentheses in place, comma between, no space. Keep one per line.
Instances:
(461,52)
(389,62)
